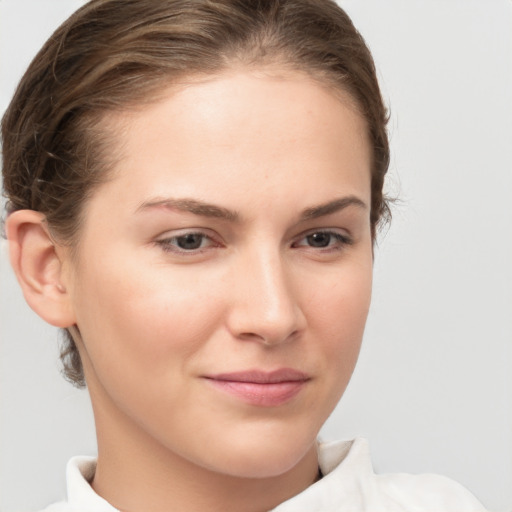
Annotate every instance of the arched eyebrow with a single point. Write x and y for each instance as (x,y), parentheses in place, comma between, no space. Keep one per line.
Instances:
(192,206)
(332,207)
(204,209)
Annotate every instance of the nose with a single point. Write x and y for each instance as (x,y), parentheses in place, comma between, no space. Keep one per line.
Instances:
(265,304)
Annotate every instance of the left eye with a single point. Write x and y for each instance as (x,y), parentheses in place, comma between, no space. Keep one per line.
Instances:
(323,239)
(188,242)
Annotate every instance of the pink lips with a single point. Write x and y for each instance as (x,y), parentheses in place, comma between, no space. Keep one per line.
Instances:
(255,387)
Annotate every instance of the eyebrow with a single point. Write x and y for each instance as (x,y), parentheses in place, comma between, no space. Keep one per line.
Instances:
(332,207)
(204,209)
(192,206)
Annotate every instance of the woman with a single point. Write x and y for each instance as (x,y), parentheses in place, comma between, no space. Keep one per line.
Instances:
(194,190)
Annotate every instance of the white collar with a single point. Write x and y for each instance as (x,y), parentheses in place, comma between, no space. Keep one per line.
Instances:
(349,476)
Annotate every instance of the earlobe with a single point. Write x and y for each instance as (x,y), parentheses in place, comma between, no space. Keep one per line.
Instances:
(38,267)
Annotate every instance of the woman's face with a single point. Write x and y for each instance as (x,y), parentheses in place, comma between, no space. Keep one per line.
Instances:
(224,273)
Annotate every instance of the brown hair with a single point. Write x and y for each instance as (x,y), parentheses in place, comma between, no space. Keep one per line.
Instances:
(111,54)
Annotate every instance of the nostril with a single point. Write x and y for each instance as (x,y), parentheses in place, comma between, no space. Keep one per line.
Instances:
(268,339)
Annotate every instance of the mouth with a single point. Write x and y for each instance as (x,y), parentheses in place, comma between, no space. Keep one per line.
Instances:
(256,387)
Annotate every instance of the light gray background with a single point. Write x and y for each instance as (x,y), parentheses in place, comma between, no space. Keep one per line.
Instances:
(433,389)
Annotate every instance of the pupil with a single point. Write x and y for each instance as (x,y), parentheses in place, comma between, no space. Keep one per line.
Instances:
(191,241)
(319,239)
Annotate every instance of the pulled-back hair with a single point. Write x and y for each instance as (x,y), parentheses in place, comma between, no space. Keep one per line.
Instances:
(113,54)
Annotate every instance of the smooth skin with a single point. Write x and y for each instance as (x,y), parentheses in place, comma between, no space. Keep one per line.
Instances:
(233,236)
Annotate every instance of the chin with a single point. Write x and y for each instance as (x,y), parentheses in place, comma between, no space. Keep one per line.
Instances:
(259,457)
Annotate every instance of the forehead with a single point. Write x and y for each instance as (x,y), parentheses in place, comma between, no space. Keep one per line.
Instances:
(230,133)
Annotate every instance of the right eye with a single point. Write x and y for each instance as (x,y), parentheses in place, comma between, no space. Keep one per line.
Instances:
(187,243)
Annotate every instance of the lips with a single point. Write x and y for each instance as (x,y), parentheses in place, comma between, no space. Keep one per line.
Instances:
(255,387)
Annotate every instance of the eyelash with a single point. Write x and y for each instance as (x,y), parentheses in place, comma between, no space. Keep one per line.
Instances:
(341,240)
(170,244)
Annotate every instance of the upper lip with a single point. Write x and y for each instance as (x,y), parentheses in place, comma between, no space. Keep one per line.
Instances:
(262,377)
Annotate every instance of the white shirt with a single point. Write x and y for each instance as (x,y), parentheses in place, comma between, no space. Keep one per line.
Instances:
(349,485)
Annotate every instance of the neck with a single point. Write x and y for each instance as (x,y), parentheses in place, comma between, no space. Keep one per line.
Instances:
(136,473)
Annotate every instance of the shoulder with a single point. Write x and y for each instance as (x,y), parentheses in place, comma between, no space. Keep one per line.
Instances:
(60,507)
(57,507)
(348,465)
(81,496)
(427,492)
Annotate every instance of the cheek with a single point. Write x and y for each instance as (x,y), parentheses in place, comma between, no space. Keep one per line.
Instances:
(343,300)
(140,320)
(338,314)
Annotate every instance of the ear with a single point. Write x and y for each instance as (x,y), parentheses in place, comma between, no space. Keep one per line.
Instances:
(38,267)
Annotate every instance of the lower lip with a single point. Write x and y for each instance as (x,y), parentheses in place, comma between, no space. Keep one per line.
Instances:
(265,395)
